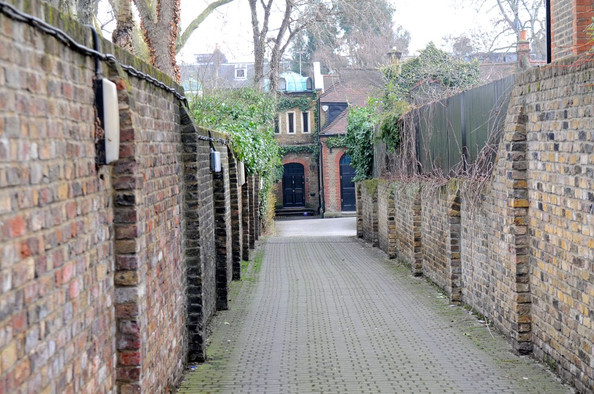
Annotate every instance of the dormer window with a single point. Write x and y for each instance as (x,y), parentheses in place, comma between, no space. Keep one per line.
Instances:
(240,73)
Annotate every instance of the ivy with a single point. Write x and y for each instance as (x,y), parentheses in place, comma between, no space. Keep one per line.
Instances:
(336,142)
(359,140)
(286,149)
(247,116)
(432,75)
(303,103)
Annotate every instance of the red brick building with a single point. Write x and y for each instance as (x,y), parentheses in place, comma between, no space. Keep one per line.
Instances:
(350,87)
(569,27)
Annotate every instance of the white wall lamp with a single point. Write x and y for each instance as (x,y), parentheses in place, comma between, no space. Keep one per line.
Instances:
(240,173)
(215,160)
(108,111)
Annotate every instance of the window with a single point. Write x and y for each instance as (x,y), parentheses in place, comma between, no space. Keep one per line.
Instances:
(291,122)
(277,123)
(241,73)
(305,122)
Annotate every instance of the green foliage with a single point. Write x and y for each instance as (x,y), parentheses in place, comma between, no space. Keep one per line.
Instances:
(286,149)
(338,141)
(432,67)
(359,139)
(302,103)
(431,76)
(247,116)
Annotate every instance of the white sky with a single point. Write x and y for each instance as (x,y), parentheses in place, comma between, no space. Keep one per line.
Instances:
(230,25)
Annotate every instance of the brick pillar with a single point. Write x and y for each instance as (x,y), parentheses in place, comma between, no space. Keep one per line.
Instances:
(192,240)
(417,264)
(129,266)
(359,203)
(517,210)
(236,216)
(245,220)
(257,227)
(569,31)
(223,241)
(253,214)
(454,253)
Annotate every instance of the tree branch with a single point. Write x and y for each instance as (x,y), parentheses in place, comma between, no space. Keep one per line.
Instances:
(183,38)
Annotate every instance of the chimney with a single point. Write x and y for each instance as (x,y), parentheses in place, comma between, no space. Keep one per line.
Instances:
(318,78)
(394,55)
(523,51)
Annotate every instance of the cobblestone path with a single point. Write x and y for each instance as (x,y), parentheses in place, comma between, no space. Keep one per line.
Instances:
(330,314)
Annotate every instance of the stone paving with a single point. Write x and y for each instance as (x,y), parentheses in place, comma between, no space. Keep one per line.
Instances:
(327,313)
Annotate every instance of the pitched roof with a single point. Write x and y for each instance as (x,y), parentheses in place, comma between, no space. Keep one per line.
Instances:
(352,86)
(337,126)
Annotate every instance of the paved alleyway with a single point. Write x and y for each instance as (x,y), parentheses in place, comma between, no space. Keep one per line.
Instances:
(328,313)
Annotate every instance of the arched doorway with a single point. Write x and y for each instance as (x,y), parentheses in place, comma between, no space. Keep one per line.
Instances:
(347,186)
(293,185)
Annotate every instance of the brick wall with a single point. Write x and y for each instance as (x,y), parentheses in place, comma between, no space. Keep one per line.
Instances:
(569,22)
(108,273)
(519,248)
(560,184)
(386,212)
(440,237)
(367,206)
(56,220)
(331,171)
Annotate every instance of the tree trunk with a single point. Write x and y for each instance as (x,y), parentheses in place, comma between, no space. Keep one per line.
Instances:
(86,10)
(123,33)
(161,34)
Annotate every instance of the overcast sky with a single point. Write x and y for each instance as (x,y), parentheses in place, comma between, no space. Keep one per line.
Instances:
(230,25)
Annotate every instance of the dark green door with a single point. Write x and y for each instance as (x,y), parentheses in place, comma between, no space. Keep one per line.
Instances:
(347,186)
(293,185)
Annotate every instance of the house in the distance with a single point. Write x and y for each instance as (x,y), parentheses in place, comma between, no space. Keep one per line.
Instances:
(342,91)
(212,71)
(299,190)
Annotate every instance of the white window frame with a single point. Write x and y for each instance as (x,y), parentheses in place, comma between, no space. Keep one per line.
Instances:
(305,119)
(241,78)
(289,123)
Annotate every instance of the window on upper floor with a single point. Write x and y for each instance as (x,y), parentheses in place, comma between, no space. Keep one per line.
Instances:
(241,73)
(291,122)
(305,122)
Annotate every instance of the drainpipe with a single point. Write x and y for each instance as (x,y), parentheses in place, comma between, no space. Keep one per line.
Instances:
(321,197)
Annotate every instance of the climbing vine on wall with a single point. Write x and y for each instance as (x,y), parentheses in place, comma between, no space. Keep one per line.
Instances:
(247,116)
(338,141)
(303,103)
(286,149)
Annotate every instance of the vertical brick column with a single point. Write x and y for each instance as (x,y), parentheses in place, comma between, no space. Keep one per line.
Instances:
(386,218)
(417,262)
(245,219)
(454,252)
(253,213)
(223,242)
(518,236)
(359,192)
(127,183)
(236,216)
(257,227)
(192,242)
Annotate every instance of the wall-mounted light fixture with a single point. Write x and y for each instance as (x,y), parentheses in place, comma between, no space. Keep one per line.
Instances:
(108,111)
(240,173)
(215,161)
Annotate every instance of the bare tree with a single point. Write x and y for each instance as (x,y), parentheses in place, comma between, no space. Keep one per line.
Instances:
(360,35)
(84,10)
(514,16)
(296,15)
